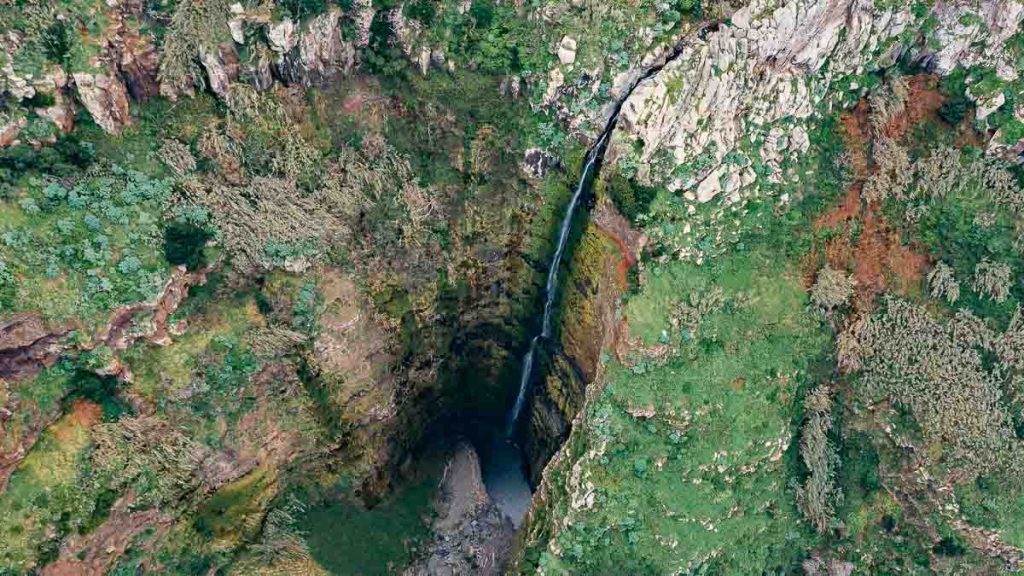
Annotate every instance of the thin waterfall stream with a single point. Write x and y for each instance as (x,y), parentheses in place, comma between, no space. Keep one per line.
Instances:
(551,288)
(504,462)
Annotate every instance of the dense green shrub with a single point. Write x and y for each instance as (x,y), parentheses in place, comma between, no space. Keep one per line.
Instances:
(184,244)
(60,159)
(630,198)
(41,100)
(58,40)
(422,10)
(954,109)
(482,13)
(954,88)
(102,390)
(383,56)
(299,9)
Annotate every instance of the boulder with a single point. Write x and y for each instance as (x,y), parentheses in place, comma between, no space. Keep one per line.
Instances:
(555,82)
(106,99)
(986,106)
(9,129)
(221,68)
(322,52)
(537,163)
(567,50)
(237,24)
(281,36)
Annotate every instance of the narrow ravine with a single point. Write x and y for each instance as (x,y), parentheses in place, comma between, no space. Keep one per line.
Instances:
(504,464)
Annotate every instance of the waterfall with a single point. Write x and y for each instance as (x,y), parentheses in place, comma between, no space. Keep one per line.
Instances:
(590,167)
(551,288)
(503,462)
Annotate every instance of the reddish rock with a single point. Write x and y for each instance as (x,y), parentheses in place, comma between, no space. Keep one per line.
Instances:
(106,99)
(9,131)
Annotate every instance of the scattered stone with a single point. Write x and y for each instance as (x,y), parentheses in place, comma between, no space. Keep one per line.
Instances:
(471,536)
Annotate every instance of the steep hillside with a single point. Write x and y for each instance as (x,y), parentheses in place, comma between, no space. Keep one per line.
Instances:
(268,272)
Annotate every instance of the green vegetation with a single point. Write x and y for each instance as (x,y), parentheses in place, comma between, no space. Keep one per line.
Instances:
(46,499)
(685,447)
(763,326)
(630,198)
(348,539)
(395,201)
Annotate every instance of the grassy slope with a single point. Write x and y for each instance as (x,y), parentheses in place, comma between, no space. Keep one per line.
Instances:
(702,480)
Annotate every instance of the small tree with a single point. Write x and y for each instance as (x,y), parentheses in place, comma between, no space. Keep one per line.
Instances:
(942,283)
(993,280)
(833,289)
(819,495)
(177,157)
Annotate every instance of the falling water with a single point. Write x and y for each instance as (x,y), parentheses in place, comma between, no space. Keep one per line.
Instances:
(503,462)
(550,289)
(594,155)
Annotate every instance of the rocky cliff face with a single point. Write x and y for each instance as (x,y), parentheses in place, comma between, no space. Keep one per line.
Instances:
(589,327)
(760,76)
(726,120)
(126,63)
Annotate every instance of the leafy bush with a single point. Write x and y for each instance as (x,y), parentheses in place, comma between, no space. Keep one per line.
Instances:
(102,390)
(630,198)
(184,243)
(954,110)
(992,280)
(382,55)
(819,496)
(96,243)
(300,9)
(832,289)
(942,283)
(195,26)
(423,11)
(58,40)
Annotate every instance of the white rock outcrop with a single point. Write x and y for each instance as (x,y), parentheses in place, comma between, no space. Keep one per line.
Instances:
(322,52)
(282,36)
(221,68)
(237,23)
